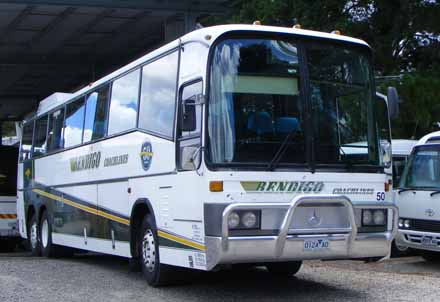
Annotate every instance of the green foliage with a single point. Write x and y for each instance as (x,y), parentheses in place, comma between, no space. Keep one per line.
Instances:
(404,35)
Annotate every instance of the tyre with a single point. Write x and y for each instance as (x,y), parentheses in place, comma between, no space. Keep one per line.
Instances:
(284,269)
(47,248)
(431,256)
(155,273)
(399,250)
(33,238)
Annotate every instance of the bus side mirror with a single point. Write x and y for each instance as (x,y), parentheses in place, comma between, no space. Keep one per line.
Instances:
(189,122)
(393,102)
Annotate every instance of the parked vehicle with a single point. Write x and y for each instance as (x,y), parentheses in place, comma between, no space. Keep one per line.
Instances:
(418,199)
(8,197)
(225,146)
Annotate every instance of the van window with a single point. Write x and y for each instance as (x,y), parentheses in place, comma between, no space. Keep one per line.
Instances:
(95,125)
(26,141)
(73,126)
(39,146)
(55,133)
(124,103)
(158,95)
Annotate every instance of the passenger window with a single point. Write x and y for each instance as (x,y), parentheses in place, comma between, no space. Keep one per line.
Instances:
(55,133)
(39,146)
(158,95)
(188,94)
(73,126)
(124,103)
(26,141)
(95,124)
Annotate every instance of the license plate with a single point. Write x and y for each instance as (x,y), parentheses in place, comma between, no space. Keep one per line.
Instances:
(316,244)
(428,241)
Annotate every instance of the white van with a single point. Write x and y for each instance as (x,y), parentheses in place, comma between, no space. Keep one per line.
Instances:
(418,199)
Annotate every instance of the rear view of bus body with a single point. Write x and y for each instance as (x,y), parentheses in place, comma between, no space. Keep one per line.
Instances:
(232,144)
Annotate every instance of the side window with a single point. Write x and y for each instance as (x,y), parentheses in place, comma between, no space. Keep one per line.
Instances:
(73,125)
(26,141)
(39,145)
(124,103)
(158,95)
(188,95)
(95,124)
(55,133)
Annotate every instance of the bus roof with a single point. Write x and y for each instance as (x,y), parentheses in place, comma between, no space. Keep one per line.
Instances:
(403,146)
(198,35)
(431,138)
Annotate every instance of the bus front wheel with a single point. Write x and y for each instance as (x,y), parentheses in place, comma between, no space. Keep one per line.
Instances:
(155,273)
(33,240)
(284,269)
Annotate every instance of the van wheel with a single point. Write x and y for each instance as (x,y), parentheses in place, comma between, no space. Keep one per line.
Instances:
(284,269)
(431,256)
(48,249)
(33,240)
(155,273)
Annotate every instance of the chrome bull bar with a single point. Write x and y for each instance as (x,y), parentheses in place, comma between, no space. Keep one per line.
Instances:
(283,234)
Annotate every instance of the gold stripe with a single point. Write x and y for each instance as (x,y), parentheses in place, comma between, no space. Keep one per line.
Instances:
(181,240)
(82,207)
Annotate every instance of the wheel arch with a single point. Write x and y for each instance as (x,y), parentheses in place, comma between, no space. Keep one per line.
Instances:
(140,208)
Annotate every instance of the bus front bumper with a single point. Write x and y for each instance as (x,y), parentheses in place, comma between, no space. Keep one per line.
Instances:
(295,246)
(419,240)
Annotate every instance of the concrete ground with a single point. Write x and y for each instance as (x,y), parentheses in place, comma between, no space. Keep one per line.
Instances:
(105,278)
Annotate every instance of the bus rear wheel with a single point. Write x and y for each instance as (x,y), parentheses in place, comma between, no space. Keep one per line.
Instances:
(284,269)
(48,249)
(155,273)
(33,240)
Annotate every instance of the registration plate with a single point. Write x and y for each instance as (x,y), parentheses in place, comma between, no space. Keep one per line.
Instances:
(428,241)
(316,244)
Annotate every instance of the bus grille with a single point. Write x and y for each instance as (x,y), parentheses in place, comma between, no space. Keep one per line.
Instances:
(425,225)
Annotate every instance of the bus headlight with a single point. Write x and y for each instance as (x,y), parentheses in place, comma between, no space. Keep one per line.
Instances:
(372,217)
(249,220)
(406,223)
(233,220)
(244,219)
(400,223)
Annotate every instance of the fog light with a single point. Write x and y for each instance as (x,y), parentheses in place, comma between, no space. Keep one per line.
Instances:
(233,220)
(379,217)
(406,223)
(249,220)
(367,217)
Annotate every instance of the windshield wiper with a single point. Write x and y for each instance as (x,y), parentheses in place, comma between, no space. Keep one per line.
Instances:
(435,192)
(404,190)
(281,150)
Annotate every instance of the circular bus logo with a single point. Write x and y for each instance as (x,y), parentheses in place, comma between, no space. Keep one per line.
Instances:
(146,155)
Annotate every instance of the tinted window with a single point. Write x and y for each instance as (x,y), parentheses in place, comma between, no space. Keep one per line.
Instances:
(124,103)
(40,136)
(158,95)
(55,133)
(26,142)
(73,127)
(95,124)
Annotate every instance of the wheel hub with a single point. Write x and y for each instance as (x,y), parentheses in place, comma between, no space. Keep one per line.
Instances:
(148,250)
(45,233)
(34,236)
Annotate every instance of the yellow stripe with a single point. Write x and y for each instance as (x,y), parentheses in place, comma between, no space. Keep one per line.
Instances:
(181,240)
(82,207)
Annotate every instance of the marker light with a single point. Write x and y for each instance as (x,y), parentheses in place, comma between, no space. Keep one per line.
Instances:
(297,26)
(257,22)
(216,186)
(336,32)
(233,220)
(249,219)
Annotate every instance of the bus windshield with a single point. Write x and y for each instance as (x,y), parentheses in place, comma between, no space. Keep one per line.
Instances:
(261,95)
(423,169)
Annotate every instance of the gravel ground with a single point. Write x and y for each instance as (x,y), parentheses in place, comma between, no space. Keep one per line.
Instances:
(104,278)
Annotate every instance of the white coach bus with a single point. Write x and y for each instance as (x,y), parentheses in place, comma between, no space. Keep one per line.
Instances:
(224,146)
